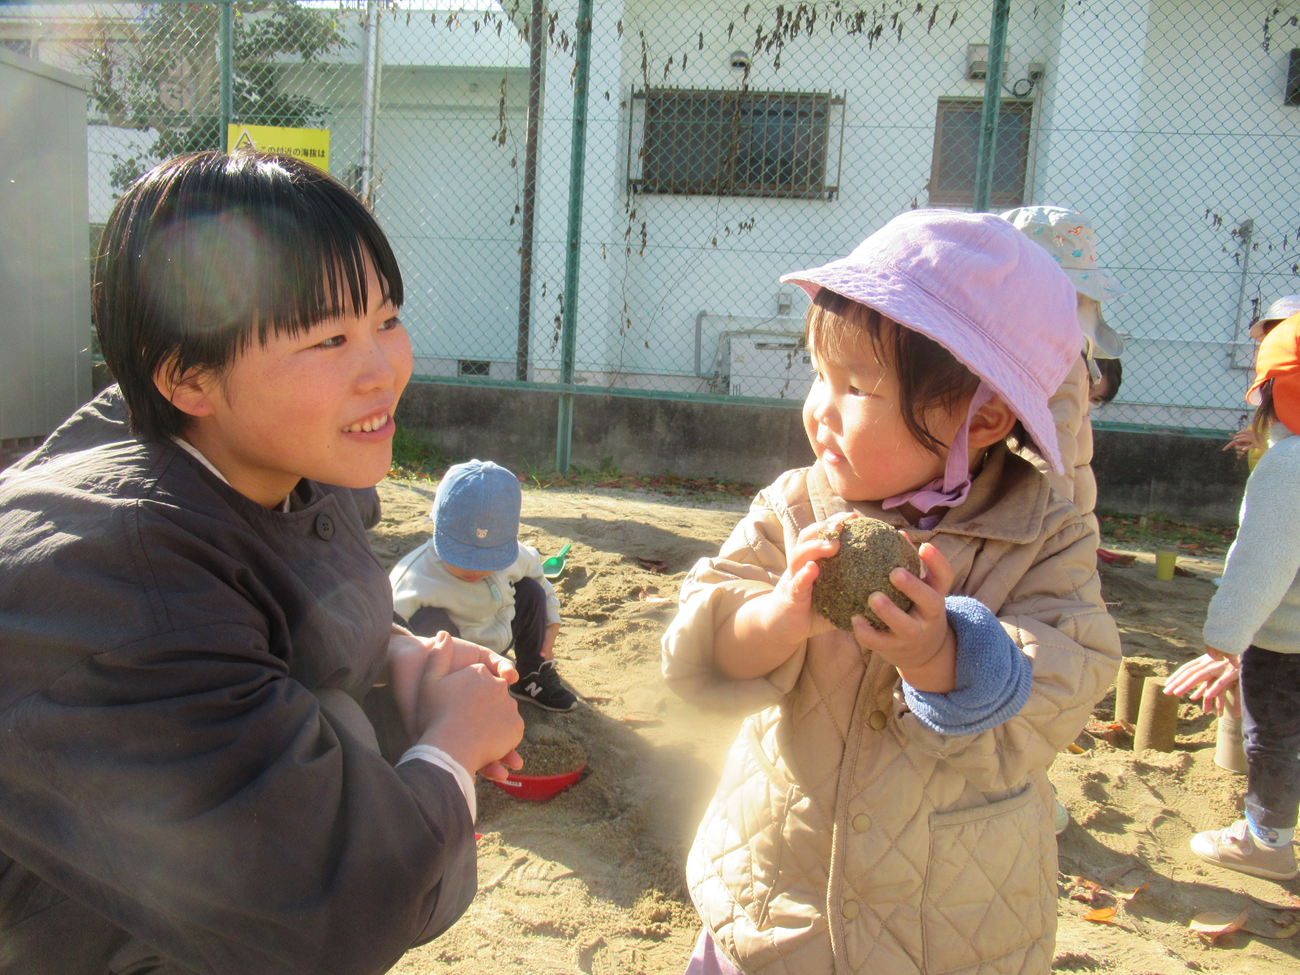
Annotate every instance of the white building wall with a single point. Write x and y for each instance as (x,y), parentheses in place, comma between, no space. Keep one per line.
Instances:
(893,88)
(1215,139)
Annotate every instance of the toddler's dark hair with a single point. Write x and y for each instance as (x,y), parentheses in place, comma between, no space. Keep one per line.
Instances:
(1112,374)
(206,251)
(929,376)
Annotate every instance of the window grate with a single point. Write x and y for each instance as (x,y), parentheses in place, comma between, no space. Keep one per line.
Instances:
(956,147)
(734,143)
(473,367)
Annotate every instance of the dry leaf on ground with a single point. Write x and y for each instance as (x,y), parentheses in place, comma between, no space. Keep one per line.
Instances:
(1083,889)
(1213,925)
(1132,893)
(1270,921)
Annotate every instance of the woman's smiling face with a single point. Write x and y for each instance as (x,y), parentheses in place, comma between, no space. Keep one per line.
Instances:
(318,404)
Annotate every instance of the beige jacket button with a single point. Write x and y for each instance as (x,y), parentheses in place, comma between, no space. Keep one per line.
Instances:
(861,823)
(850,910)
(877,720)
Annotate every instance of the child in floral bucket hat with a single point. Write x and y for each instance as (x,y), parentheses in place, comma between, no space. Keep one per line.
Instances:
(1069,237)
(887,808)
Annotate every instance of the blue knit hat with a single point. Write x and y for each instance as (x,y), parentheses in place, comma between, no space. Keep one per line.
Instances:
(476,517)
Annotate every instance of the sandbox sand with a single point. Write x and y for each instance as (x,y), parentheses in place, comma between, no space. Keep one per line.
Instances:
(591,881)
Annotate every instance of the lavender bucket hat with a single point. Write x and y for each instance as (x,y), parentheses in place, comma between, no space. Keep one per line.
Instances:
(980,288)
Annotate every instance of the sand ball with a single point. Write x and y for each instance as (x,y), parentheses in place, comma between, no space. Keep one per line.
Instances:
(869,551)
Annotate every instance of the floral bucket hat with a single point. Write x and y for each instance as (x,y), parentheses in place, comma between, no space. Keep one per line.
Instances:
(1071,240)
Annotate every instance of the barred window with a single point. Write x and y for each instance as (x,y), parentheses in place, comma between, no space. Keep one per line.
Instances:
(734,143)
(473,367)
(956,146)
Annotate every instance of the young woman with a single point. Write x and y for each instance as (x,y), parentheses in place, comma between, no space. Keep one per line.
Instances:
(190,613)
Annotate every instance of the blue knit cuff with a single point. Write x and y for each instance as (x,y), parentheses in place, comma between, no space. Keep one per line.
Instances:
(993,676)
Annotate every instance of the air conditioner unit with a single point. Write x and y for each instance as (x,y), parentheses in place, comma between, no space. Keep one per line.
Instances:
(977,62)
(768,366)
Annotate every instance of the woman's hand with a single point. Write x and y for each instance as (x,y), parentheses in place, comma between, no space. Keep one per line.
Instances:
(1210,677)
(407,654)
(465,708)
(410,655)
(920,643)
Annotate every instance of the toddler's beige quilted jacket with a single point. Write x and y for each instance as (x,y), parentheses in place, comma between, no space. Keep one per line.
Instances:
(847,837)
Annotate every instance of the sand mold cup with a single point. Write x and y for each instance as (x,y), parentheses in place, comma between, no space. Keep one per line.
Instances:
(555,760)
(869,551)
(535,788)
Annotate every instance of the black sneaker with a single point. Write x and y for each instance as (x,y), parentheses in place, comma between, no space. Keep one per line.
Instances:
(544,688)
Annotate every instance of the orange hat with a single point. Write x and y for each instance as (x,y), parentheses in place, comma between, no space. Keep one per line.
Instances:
(1279,360)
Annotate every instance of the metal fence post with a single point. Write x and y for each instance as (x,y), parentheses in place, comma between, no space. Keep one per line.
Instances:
(536,61)
(227,56)
(987,157)
(370,100)
(568,325)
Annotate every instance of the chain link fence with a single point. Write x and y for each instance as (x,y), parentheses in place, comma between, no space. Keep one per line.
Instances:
(721,144)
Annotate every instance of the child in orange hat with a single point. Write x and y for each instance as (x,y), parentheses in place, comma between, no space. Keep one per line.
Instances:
(1252,632)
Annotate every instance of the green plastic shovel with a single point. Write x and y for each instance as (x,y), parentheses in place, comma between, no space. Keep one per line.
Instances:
(553,566)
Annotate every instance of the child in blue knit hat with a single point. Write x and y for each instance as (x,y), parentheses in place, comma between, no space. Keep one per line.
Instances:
(475,580)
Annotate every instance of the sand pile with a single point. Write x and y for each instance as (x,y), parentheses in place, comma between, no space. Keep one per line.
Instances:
(547,750)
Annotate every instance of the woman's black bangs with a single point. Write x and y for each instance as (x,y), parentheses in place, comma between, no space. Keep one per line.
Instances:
(254,244)
(322,240)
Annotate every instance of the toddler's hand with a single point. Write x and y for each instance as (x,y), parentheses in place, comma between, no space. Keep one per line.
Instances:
(1211,677)
(787,615)
(1243,442)
(920,643)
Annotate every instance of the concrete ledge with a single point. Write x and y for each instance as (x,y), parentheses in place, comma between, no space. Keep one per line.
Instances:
(517,428)
(1188,479)
(1183,478)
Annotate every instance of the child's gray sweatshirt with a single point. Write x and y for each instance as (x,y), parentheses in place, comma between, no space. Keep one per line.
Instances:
(1259,598)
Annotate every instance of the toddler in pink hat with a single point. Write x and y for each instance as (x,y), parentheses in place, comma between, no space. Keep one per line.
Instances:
(885,807)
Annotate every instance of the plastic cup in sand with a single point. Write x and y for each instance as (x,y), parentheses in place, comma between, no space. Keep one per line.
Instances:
(1229,749)
(1166,559)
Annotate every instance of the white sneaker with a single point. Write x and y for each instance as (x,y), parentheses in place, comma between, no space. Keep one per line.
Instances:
(1236,849)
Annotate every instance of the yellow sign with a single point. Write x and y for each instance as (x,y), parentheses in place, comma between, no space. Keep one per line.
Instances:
(309,145)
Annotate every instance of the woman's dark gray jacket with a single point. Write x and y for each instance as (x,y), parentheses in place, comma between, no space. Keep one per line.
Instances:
(172,797)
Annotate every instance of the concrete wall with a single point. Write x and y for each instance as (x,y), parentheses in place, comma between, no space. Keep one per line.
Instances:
(1184,478)
(742,443)
(1188,479)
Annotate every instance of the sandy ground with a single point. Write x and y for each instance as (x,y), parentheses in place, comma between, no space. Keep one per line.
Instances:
(591,881)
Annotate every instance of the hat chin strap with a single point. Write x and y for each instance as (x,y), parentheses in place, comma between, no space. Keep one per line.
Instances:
(951,489)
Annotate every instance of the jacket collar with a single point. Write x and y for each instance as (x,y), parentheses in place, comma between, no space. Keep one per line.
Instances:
(1007,502)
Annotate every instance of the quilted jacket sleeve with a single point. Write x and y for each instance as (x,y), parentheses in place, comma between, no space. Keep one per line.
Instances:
(749,564)
(1055,614)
